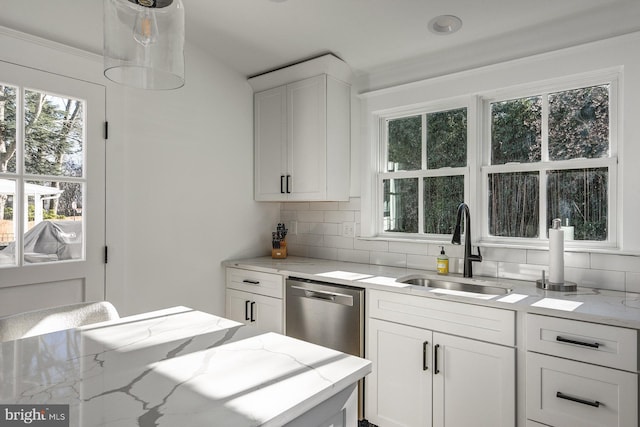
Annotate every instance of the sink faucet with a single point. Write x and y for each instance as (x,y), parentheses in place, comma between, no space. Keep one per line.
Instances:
(468,256)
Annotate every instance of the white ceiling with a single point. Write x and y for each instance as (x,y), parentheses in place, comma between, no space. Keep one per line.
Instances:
(253,36)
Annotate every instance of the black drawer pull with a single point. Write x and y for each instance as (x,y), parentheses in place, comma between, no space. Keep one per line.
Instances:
(424,355)
(251,282)
(435,359)
(593,403)
(582,343)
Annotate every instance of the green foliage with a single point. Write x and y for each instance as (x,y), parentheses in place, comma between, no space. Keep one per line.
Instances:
(447,139)
(405,143)
(516,128)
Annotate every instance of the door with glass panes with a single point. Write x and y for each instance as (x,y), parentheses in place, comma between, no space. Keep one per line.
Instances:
(52,190)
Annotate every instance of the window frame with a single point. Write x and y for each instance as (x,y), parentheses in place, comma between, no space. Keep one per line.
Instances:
(381,169)
(611,78)
(478,166)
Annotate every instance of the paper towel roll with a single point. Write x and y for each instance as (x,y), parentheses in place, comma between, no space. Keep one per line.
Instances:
(556,255)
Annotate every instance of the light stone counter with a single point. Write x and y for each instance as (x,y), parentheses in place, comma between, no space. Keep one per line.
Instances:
(586,304)
(176,367)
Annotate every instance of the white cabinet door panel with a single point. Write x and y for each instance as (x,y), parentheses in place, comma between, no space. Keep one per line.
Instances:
(398,390)
(474,383)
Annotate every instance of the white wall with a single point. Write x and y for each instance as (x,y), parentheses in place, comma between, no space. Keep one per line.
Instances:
(179,178)
(188,170)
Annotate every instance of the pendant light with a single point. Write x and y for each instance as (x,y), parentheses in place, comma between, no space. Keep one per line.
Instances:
(144,43)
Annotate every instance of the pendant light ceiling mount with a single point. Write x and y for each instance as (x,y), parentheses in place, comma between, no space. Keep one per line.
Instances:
(144,43)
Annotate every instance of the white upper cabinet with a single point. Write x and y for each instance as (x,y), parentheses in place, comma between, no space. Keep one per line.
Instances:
(302,139)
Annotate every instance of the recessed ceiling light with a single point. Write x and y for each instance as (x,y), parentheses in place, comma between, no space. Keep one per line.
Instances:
(445,24)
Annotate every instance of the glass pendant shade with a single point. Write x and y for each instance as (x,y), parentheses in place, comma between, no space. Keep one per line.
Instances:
(144,43)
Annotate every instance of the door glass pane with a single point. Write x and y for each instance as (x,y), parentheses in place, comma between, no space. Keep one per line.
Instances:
(579,123)
(54,135)
(580,199)
(7,128)
(7,223)
(54,223)
(401,205)
(405,144)
(447,139)
(516,129)
(442,196)
(514,204)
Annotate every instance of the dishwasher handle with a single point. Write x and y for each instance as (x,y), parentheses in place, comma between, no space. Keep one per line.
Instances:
(334,297)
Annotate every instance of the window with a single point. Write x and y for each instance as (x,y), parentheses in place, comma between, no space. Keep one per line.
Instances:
(425,171)
(551,156)
(544,152)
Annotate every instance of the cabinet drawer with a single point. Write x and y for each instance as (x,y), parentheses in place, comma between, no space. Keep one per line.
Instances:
(467,320)
(604,345)
(256,282)
(565,393)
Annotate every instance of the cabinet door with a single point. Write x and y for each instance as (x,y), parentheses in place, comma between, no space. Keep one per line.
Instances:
(473,383)
(259,311)
(398,390)
(307,145)
(270,139)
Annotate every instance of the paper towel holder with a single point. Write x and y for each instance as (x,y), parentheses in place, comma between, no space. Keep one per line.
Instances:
(560,287)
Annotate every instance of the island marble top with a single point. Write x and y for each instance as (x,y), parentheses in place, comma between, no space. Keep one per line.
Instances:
(174,367)
(586,304)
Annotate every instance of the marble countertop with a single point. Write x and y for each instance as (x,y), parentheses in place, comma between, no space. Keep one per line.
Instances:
(174,367)
(587,304)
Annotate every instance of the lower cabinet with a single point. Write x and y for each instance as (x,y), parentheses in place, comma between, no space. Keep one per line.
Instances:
(265,313)
(423,377)
(255,298)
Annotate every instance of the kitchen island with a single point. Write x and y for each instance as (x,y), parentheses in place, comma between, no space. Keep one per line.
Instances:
(181,367)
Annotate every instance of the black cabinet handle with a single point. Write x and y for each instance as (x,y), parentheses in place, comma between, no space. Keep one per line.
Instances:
(253,303)
(582,343)
(435,359)
(288,184)
(246,310)
(424,355)
(251,282)
(282,184)
(593,403)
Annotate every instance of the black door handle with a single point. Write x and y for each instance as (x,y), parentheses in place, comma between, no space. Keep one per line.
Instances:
(246,310)
(424,355)
(253,303)
(435,359)
(282,184)
(288,184)
(593,403)
(582,343)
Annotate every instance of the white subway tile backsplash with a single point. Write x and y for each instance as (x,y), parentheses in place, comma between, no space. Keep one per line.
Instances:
(421,262)
(571,259)
(311,216)
(615,262)
(632,282)
(517,256)
(339,216)
(602,279)
(387,258)
(324,206)
(350,255)
(325,228)
(338,242)
(319,235)
(371,245)
(408,248)
(323,253)
(295,206)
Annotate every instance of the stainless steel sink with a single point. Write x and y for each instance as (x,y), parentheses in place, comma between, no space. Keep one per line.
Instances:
(426,281)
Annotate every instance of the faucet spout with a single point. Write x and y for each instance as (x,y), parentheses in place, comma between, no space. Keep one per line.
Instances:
(469,257)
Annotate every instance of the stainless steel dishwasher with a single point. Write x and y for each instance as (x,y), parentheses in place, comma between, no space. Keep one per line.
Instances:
(329,315)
